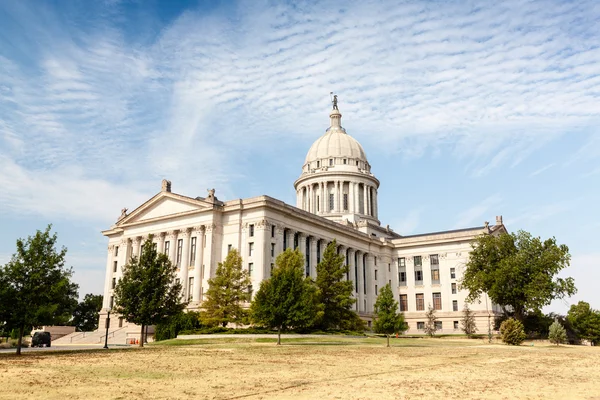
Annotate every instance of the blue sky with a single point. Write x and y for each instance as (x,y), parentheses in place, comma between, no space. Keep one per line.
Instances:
(466,110)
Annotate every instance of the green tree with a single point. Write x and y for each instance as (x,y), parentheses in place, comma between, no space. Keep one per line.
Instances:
(85,316)
(517,271)
(557,333)
(586,321)
(35,285)
(389,320)
(335,293)
(512,332)
(287,299)
(147,293)
(227,292)
(430,324)
(468,325)
(183,321)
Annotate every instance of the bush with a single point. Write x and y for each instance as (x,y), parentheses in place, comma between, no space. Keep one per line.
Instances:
(173,326)
(557,333)
(512,332)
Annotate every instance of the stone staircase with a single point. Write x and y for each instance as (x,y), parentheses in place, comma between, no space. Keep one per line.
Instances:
(116,336)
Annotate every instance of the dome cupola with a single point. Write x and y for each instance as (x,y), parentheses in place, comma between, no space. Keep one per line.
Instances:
(336,179)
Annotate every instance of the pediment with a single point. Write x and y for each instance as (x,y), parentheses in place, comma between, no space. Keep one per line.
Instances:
(164,205)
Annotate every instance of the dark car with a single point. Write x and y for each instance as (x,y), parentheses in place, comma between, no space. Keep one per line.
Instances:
(41,339)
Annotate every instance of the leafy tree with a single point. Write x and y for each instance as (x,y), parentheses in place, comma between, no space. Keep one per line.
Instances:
(85,316)
(335,294)
(557,333)
(183,321)
(430,326)
(288,299)
(227,291)
(35,286)
(517,271)
(147,293)
(585,321)
(512,332)
(468,325)
(388,320)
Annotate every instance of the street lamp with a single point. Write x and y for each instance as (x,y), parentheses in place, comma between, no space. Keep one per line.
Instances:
(107,325)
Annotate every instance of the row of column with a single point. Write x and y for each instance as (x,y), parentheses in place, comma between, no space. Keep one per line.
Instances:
(361,198)
(191,259)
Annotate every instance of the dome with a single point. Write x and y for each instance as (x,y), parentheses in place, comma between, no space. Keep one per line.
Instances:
(335,143)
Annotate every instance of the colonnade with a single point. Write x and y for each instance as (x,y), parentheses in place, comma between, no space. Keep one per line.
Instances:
(348,197)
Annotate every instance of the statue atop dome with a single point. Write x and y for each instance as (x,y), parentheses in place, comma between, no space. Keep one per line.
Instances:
(335,106)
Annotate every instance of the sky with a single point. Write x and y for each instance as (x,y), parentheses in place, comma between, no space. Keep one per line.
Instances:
(466,110)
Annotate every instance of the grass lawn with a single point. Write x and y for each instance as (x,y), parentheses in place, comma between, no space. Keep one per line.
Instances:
(308,368)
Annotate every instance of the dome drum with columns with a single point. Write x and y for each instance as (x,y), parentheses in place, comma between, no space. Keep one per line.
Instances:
(336,180)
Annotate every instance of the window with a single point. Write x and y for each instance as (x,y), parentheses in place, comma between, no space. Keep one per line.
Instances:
(272,266)
(437,301)
(402,262)
(330,201)
(390,283)
(375,290)
(250,249)
(114,283)
(375,261)
(318,164)
(251,229)
(420,302)
(179,252)
(438,325)
(193,252)
(417,261)
(115,266)
(190,288)
(345,201)
(402,276)
(116,251)
(250,291)
(389,267)
(421,326)
(167,247)
(345,161)
(375,274)
(318,204)
(250,268)
(455,325)
(111,302)
(452,273)
(121,322)
(434,260)
(403,302)
(418,277)
(454,288)
(454,305)
(331,162)
(435,276)
(357,163)
(272,249)
(272,231)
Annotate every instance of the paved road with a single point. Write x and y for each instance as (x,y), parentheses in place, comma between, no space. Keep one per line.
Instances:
(63,348)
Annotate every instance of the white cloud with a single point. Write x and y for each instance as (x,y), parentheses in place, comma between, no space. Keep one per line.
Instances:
(542,169)
(410,222)
(476,215)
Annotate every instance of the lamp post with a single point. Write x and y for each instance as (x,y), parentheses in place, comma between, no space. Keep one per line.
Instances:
(107,324)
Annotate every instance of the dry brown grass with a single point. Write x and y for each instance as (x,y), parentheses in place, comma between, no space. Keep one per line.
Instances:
(309,369)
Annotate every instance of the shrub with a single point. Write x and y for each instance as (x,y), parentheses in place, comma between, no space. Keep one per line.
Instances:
(181,322)
(512,332)
(557,333)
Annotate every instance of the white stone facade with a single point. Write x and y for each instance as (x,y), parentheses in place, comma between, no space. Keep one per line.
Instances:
(336,199)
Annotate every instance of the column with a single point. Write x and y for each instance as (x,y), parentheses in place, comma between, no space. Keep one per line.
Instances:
(342,250)
(172,236)
(122,258)
(290,239)
(108,277)
(352,267)
(313,257)
(161,242)
(279,231)
(365,200)
(185,261)
(370,296)
(356,198)
(322,199)
(199,231)
(208,254)
(135,243)
(375,210)
(360,293)
(336,194)
(302,247)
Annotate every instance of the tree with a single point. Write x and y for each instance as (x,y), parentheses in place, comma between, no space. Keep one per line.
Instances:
(335,294)
(287,299)
(35,285)
(227,291)
(585,321)
(388,320)
(147,293)
(430,324)
(85,316)
(517,271)
(512,332)
(557,333)
(468,325)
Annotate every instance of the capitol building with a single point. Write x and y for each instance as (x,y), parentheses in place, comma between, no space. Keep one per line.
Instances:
(336,198)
